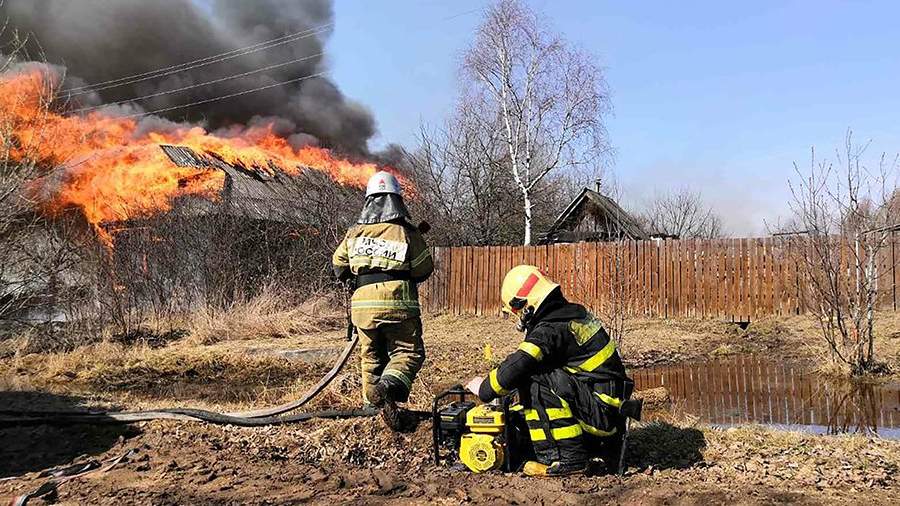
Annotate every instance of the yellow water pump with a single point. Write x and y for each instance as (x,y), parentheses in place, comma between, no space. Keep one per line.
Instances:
(481,449)
(484,437)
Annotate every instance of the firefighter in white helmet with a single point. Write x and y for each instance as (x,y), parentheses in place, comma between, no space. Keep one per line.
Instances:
(384,257)
(569,376)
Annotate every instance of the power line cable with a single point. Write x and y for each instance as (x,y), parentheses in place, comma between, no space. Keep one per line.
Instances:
(222,97)
(201,62)
(197,85)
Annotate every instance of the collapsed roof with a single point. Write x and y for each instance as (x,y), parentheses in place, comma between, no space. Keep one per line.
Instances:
(269,193)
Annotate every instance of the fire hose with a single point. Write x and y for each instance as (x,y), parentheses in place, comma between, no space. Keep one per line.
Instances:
(269,416)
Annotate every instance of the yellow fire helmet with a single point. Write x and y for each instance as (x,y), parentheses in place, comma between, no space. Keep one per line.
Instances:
(525,286)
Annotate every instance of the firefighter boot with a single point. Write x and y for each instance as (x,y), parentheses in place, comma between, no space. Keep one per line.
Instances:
(534,468)
(395,417)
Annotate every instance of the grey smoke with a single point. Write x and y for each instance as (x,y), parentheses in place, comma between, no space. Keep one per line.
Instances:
(100,40)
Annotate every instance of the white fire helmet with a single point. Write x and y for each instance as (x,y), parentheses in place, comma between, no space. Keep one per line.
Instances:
(383,182)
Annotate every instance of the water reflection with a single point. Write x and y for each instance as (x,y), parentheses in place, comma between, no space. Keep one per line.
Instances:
(745,389)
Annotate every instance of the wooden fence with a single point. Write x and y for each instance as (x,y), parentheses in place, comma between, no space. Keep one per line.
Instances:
(730,279)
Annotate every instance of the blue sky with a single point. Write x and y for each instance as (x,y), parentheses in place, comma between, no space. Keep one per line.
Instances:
(718,96)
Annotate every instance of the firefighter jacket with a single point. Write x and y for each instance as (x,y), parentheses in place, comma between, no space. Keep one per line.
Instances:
(560,335)
(395,254)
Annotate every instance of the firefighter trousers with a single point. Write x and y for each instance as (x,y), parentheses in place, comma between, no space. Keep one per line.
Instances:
(391,353)
(570,420)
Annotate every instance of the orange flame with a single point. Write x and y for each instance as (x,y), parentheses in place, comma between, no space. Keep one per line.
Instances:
(113,171)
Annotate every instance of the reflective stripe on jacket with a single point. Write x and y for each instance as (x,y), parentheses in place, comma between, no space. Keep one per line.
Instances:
(384,247)
(562,336)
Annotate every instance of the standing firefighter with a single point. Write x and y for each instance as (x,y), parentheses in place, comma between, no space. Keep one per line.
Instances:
(570,378)
(384,257)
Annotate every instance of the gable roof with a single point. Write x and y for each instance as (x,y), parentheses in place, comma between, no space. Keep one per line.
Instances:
(616,217)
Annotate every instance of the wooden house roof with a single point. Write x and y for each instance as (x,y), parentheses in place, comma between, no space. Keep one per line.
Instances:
(601,207)
(257,194)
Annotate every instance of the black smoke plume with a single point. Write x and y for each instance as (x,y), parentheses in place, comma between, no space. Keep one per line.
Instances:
(101,40)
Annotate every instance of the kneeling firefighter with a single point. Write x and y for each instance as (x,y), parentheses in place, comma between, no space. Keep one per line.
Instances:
(383,257)
(569,376)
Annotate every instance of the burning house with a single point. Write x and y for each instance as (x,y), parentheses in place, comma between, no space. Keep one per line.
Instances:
(159,182)
(181,215)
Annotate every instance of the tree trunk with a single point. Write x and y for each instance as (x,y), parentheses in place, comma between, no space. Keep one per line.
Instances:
(526,199)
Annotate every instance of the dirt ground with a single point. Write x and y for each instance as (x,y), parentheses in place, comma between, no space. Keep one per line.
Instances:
(671,460)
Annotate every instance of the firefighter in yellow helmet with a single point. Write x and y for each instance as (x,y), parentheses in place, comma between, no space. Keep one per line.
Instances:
(384,257)
(569,376)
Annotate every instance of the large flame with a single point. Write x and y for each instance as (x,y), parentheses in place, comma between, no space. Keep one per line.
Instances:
(114,170)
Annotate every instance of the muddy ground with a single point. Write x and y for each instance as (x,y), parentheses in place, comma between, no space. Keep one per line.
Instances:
(671,460)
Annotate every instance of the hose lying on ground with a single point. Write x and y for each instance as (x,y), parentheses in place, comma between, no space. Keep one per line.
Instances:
(201,415)
(254,418)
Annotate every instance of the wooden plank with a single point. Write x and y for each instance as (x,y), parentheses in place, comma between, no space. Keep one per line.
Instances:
(504,260)
(679,278)
(777,280)
(682,278)
(649,301)
(701,298)
(465,301)
(499,273)
(487,290)
(461,279)
(477,278)
(697,280)
(743,303)
(752,279)
(674,277)
(716,279)
(451,280)
(493,282)
(642,283)
(653,278)
(709,273)
(687,269)
(591,275)
(472,281)
(728,275)
(666,283)
(734,279)
(766,282)
(771,272)
(713,278)
(895,259)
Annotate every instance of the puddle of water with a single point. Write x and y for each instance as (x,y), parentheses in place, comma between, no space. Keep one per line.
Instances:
(750,389)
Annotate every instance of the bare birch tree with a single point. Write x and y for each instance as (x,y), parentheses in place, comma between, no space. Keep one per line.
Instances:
(547,97)
(465,190)
(843,214)
(682,213)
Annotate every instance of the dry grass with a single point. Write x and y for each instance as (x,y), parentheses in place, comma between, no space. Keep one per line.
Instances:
(176,372)
(265,315)
(243,366)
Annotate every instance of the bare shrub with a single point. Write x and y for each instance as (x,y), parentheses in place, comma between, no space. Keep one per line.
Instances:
(683,214)
(843,213)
